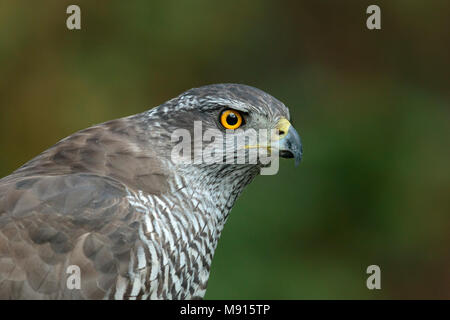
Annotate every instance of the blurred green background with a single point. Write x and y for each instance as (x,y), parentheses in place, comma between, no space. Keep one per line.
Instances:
(372,108)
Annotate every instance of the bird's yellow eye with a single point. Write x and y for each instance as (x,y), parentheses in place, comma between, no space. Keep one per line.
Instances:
(231,119)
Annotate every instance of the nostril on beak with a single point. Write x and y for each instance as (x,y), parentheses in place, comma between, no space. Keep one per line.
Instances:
(281,132)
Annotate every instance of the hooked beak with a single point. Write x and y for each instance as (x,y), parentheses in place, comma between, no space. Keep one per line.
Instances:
(290,145)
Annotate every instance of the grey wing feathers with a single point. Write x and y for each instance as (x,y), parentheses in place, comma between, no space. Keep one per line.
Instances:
(48,223)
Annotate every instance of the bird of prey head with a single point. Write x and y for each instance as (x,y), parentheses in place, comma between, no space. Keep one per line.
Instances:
(109,212)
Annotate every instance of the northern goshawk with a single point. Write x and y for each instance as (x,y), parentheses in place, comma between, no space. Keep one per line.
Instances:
(112,201)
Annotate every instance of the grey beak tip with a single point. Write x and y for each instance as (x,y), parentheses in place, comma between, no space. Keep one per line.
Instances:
(291,146)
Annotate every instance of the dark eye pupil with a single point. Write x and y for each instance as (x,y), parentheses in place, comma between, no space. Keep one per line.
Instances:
(232,119)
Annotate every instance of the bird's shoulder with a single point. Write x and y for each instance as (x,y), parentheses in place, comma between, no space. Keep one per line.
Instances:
(70,206)
(119,149)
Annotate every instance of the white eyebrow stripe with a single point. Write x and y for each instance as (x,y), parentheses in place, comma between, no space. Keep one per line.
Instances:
(233,104)
(239,105)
